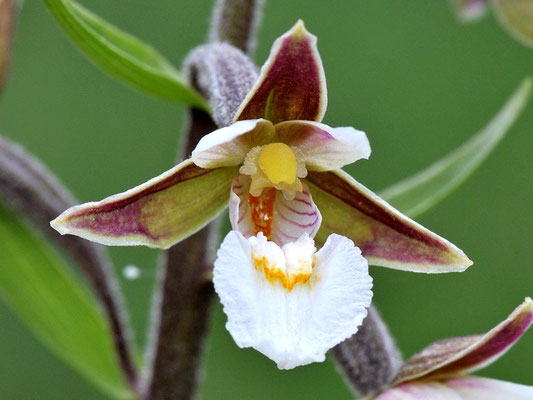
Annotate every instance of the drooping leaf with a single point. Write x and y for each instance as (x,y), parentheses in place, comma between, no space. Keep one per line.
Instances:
(420,192)
(39,287)
(123,55)
(517,17)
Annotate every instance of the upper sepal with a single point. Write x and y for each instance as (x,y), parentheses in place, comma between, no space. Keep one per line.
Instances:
(158,213)
(292,83)
(458,355)
(385,236)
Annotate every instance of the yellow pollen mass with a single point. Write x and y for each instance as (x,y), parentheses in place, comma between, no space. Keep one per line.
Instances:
(278,162)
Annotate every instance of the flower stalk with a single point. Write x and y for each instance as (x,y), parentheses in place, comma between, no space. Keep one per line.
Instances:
(369,360)
(224,75)
(182,305)
(236,22)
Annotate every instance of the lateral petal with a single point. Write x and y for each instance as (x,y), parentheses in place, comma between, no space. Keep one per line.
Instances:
(292,84)
(279,219)
(296,325)
(477,388)
(324,148)
(158,213)
(228,146)
(385,236)
(460,355)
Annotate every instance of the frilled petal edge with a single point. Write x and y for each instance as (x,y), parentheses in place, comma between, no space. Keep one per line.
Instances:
(290,303)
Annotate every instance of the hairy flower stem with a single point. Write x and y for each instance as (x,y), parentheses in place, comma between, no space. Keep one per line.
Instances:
(369,360)
(236,22)
(181,309)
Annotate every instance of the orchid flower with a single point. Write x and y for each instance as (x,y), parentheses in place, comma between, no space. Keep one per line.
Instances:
(279,165)
(438,372)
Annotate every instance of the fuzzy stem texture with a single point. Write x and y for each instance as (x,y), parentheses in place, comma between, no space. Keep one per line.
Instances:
(369,360)
(181,308)
(236,22)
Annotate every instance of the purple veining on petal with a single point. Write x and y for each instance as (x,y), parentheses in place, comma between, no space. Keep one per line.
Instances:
(289,218)
(293,222)
(294,217)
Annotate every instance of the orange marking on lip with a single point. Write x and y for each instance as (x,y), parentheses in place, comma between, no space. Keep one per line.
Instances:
(262,209)
(274,274)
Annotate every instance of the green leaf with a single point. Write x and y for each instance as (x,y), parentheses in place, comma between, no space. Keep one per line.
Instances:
(418,193)
(122,54)
(40,288)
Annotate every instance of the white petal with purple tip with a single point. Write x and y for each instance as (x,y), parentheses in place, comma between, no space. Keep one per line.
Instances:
(228,146)
(324,148)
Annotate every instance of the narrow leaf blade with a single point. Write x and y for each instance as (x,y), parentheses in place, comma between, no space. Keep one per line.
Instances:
(418,193)
(38,286)
(123,55)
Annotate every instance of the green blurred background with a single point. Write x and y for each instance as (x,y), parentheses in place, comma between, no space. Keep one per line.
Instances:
(408,73)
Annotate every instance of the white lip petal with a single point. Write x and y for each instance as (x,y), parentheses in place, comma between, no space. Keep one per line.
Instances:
(322,147)
(289,220)
(228,146)
(292,324)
